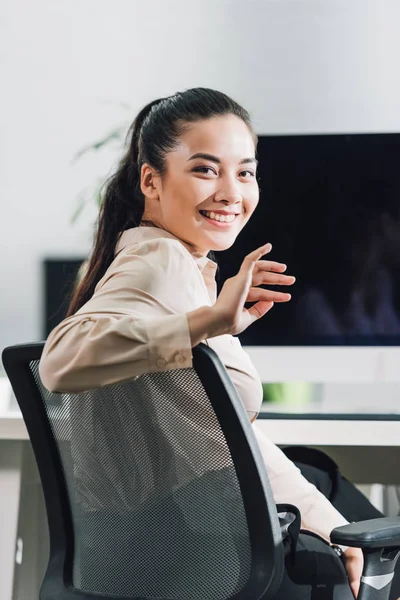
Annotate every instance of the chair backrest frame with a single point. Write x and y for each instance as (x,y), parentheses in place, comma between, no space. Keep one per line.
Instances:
(16,360)
(264,532)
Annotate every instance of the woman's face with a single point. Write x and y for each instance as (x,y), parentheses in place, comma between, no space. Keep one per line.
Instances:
(209,190)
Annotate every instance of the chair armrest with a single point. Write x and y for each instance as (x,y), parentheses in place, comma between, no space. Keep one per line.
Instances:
(375,533)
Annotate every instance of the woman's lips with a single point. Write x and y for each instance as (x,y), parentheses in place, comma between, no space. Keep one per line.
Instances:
(220,224)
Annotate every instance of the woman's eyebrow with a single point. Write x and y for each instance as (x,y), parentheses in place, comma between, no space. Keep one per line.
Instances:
(218,160)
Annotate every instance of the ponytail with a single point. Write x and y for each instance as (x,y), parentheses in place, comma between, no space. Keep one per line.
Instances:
(122,207)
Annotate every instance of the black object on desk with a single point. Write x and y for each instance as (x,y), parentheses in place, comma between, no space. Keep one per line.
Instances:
(59,276)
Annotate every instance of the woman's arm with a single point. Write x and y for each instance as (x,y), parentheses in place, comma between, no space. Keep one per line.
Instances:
(148,311)
(288,485)
(138,320)
(318,515)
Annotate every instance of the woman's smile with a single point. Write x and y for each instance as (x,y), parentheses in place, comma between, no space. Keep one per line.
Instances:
(222,219)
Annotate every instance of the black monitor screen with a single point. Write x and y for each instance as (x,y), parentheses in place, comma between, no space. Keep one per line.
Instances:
(59,280)
(330,206)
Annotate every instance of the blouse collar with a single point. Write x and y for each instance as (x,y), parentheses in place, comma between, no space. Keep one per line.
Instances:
(137,234)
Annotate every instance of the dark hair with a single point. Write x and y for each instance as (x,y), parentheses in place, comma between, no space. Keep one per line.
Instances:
(154,133)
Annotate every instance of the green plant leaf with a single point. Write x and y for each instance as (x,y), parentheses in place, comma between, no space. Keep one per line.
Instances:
(116,134)
(88,195)
(98,197)
(94,193)
(77,212)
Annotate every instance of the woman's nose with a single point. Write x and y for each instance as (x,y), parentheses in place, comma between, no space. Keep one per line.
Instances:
(229,193)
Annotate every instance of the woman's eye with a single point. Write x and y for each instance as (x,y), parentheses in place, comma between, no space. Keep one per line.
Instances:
(203,170)
(208,170)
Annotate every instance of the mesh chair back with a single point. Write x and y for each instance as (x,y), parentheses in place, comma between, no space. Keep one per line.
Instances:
(153,500)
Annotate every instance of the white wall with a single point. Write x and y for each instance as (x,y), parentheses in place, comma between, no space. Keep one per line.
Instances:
(297,65)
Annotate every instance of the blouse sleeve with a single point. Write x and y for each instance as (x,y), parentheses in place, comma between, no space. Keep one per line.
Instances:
(289,486)
(134,323)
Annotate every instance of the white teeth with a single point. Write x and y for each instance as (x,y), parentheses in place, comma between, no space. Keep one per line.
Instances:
(218,217)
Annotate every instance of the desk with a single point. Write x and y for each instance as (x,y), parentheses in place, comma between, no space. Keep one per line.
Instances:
(367,450)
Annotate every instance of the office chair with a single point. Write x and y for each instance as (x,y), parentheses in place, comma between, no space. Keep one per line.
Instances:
(143,503)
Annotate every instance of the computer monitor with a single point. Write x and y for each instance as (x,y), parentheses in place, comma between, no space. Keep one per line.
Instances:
(330,206)
(59,280)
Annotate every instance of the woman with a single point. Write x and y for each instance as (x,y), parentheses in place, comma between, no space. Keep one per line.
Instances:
(186,186)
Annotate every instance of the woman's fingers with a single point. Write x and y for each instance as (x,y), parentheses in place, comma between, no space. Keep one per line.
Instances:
(271,265)
(242,288)
(263,277)
(258,294)
(259,309)
(251,259)
(354,563)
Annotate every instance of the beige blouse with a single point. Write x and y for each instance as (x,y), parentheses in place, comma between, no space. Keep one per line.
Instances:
(136,322)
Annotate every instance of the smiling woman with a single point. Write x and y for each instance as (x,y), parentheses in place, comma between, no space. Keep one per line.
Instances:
(185,187)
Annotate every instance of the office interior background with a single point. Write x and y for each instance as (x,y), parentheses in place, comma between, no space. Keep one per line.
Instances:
(72,72)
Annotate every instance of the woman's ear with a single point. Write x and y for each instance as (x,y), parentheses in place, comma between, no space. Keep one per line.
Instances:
(149,182)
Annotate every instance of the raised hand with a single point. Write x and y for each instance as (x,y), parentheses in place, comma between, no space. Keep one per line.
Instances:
(243,287)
